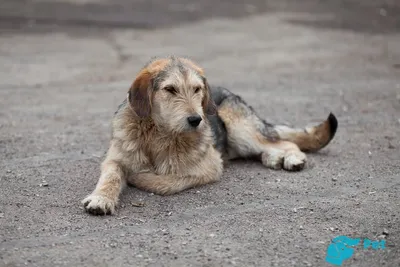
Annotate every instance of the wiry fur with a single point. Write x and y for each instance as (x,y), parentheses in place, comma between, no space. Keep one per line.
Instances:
(155,148)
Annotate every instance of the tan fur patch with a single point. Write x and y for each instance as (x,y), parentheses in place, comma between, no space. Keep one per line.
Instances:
(310,139)
(193,65)
(157,65)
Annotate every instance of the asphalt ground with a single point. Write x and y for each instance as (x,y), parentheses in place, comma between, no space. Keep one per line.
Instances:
(67,64)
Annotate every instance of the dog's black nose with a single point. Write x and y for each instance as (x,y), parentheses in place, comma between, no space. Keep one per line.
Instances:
(194,120)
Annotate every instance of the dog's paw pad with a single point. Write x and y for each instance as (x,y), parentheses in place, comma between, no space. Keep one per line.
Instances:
(98,205)
(294,161)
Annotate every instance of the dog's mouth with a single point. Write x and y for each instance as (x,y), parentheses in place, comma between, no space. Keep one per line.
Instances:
(191,129)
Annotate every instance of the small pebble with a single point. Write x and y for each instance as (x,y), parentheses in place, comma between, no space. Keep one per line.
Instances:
(299,208)
(384,234)
(1,215)
(334,179)
(301,227)
(8,171)
(44,184)
(138,204)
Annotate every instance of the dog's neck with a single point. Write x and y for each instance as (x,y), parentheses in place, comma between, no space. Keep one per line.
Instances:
(169,151)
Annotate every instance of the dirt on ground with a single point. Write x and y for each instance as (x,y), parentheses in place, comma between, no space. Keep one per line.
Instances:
(67,64)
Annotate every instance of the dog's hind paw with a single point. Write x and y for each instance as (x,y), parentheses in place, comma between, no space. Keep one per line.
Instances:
(272,159)
(294,161)
(99,205)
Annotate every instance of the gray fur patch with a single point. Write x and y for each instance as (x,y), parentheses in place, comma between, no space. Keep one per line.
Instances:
(219,133)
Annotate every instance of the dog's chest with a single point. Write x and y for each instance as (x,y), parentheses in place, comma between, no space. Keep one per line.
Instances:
(176,156)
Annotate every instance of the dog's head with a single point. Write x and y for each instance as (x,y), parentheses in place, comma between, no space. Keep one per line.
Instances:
(174,93)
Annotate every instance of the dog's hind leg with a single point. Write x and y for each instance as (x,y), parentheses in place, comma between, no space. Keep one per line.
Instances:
(249,136)
(282,154)
(246,141)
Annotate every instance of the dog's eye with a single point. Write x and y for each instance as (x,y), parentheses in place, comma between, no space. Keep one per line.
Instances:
(197,89)
(170,89)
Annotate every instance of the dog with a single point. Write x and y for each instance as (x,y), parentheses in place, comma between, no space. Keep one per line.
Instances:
(174,132)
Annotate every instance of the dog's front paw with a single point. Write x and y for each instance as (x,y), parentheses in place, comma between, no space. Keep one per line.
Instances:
(294,161)
(99,205)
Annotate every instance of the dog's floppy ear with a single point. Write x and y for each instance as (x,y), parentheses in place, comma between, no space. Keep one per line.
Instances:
(140,93)
(208,104)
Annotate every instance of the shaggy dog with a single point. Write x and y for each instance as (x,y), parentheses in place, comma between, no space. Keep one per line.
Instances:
(174,132)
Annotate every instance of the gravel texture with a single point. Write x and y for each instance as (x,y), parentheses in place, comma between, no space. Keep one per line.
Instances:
(67,64)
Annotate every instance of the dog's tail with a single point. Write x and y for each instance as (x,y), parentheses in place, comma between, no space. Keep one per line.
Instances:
(310,139)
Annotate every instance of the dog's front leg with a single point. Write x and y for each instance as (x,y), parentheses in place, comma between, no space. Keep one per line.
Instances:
(168,184)
(105,196)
